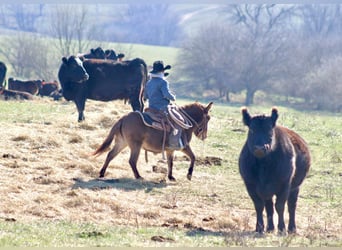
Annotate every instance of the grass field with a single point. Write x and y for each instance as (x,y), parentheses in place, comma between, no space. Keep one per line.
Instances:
(51,196)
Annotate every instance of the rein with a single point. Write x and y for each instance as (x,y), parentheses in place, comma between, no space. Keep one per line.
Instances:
(199,128)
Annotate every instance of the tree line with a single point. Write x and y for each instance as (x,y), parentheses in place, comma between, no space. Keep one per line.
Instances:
(289,50)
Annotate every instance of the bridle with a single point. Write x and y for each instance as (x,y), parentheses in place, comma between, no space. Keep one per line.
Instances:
(199,127)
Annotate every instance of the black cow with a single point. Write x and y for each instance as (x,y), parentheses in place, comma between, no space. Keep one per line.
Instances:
(30,86)
(273,162)
(3,70)
(99,53)
(12,94)
(102,80)
(47,88)
(110,54)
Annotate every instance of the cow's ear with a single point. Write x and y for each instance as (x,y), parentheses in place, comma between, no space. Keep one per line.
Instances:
(64,60)
(246,117)
(274,115)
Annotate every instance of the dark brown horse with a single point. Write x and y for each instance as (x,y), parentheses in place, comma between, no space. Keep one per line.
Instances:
(131,131)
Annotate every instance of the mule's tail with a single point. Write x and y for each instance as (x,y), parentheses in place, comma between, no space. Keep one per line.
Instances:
(109,139)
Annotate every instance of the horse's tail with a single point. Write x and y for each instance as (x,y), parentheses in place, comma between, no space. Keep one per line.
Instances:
(109,139)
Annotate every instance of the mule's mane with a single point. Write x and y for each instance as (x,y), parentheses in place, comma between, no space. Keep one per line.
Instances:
(195,110)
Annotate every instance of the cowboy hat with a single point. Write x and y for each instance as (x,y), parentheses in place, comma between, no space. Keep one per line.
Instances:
(158,66)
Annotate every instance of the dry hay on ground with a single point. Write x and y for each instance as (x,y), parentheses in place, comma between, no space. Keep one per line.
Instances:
(47,173)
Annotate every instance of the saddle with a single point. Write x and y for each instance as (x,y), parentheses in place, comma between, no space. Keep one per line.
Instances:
(173,119)
(156,119)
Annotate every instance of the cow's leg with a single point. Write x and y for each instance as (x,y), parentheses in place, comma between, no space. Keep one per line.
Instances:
(292,204)
(269,212)
(187,150)
(136,102)
(80,104)
(259,205)
(118,147)
(280,207)
(170,155)
(133,159)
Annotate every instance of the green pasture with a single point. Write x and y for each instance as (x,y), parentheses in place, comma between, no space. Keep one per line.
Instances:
(319,205)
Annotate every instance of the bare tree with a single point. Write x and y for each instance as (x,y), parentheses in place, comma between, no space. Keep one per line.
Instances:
(69,24)
(207,60)
(320,20)
(250,56)
(28,56)
(322,85)
(150,24)
(265,35)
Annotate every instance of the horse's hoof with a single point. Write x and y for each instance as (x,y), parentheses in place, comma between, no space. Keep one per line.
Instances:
(189,177)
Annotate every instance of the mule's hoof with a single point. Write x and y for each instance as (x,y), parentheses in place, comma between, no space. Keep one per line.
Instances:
(171,178)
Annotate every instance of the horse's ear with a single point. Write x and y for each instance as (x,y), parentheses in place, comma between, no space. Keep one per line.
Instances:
(246,117)
(209,106)
(274,115)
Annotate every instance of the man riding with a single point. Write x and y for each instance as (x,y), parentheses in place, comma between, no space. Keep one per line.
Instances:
(159,97)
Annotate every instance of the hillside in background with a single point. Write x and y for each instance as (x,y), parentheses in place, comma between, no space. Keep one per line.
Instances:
(116,22)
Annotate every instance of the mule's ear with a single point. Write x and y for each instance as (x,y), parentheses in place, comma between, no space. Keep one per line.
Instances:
(246,117)
(64,60)
(274,115)
(209,106)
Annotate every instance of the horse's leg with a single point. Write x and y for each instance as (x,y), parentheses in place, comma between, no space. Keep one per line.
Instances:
(133,159)
(169,156)
(187,150)
(118,147)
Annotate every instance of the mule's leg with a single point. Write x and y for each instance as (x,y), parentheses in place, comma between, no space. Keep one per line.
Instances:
(133,159)
(269,212)
(118,147)
(187,150)
(169,156)
(292,204)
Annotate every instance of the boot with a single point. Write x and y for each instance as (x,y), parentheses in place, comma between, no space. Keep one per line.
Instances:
(175,140)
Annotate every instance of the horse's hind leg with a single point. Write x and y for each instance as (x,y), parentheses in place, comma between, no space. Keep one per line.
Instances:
(118,147)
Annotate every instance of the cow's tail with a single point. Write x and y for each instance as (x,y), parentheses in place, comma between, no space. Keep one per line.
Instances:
(143,85)
(109,139)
